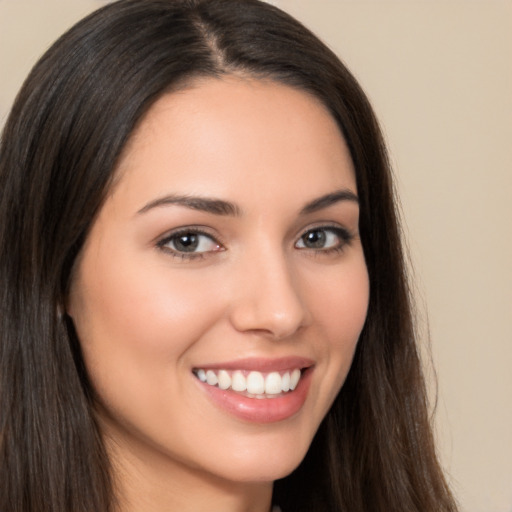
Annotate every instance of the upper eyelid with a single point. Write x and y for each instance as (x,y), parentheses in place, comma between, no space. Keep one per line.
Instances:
(206,231)
(200,230)
(329,227)
(162,244)
(335,226)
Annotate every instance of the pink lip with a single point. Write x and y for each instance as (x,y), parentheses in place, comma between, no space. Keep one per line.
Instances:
(261,364)
(262,410)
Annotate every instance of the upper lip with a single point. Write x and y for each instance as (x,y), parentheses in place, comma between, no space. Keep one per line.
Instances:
(261,364)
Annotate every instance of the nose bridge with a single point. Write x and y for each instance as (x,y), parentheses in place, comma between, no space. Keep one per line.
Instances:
(268,298)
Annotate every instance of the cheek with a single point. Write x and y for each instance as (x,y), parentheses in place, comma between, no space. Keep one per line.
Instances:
(340,304)
(340,307)
(136,324)
(146,306)
(134,320)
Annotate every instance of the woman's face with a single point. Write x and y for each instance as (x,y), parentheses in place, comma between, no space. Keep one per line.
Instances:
(224,265)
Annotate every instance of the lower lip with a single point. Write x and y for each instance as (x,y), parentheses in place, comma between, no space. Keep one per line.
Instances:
(261,410)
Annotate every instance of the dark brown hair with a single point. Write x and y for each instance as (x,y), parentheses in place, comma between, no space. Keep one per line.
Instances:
(72,118)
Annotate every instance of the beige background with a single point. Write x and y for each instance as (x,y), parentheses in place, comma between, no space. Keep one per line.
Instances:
(440,76)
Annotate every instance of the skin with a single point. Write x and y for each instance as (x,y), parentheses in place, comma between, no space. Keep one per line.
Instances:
(146,316)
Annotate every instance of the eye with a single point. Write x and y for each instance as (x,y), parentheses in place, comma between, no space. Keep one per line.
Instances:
(189,243)
(325,238)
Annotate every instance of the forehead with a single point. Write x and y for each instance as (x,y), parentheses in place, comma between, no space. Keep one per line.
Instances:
(220,136)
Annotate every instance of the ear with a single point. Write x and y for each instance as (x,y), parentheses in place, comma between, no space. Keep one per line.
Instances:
(67,307)
(67,303)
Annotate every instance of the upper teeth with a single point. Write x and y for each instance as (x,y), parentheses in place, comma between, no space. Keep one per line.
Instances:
(254,383)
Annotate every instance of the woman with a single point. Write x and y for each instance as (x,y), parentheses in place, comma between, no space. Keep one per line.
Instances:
(204,302)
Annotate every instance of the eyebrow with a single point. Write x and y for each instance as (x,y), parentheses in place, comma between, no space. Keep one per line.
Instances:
(328,200)
(204,204)
(221,207)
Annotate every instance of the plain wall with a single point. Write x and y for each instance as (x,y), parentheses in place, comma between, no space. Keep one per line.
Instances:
(439,74)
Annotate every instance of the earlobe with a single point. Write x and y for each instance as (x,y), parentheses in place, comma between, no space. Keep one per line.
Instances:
(65,307)
(66,310)
(62,311)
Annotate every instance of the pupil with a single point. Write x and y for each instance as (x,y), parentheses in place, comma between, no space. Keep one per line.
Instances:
(187,243)
(315,239)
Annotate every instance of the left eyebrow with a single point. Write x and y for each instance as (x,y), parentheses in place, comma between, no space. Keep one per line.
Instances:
(205,204)
(328,200)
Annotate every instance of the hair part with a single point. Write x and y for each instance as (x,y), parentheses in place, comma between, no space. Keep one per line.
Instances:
(59,150)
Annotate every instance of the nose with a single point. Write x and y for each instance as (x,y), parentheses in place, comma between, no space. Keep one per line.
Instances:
(267,298)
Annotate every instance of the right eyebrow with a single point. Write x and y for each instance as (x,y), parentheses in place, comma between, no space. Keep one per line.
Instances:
(204,204)
(329,199)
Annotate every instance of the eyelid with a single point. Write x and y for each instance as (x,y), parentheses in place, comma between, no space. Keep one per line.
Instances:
(346,236)
(326,225)
(162,242)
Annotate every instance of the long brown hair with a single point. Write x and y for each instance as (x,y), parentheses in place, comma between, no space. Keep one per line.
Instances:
(374,451)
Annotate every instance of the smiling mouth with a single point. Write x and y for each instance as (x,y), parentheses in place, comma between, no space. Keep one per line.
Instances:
(252,384)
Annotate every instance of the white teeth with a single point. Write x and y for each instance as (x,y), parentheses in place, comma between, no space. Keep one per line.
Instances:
(285,382)
(256,384)
(211,378)
(273,384)
(238,382)
(294,379)
(224,380)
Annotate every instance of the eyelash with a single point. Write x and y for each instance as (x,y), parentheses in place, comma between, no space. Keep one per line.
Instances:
(344,236)
(162,244)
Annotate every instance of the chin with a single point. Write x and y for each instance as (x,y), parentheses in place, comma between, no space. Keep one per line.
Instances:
(263,462)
